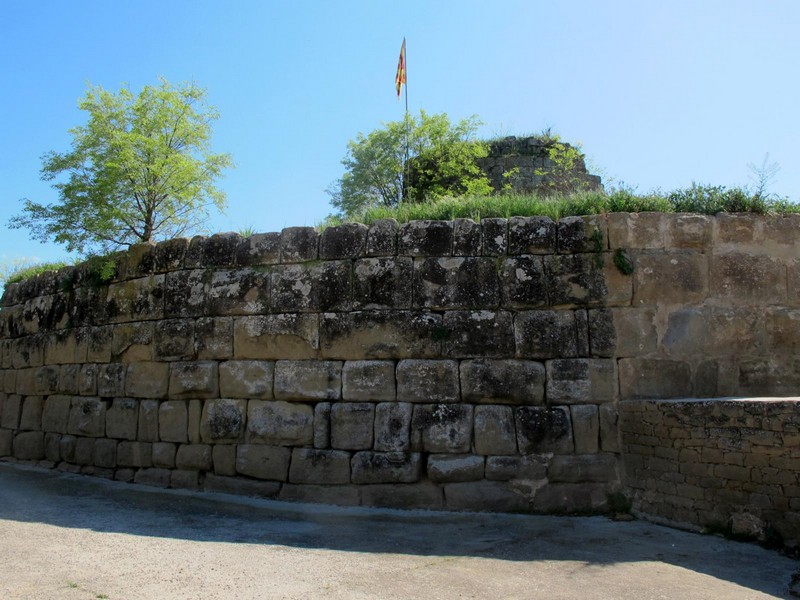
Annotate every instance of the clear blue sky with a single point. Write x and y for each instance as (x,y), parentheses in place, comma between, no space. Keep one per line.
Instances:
(660,93)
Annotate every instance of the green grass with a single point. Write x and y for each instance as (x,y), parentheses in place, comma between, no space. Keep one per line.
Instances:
(32,271)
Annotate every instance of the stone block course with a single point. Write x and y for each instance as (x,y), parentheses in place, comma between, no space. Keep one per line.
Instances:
(276,336)
(380,334)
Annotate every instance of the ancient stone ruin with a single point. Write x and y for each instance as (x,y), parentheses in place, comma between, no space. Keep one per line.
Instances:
(510,365)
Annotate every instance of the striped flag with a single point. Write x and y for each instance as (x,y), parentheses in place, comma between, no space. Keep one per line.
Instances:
(400,78)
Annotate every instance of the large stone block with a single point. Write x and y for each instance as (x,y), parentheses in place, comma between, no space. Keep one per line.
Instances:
(47,379)
(455,467)
(134,454)
(27,352)
(382,283)
(67,448)
(147,380)
(427,381)
(494,430)
(322,286)
(87,417)
(122,419)
(147,430)
(219,250)
(531,235)
(238,292)
(425,238)
(495,236)
(622,331)
(506,468)
(674,278)
(467,238)
(198,379)
(186,291)
(55,416)
(31,416)
(29,445)
(280,423)
(105,453)
(582,234)
(585,428)
(343,241)
(502,381)
(352,425)
(6,442)
(380,334)
(575,279)
(299,244)
(133,342)
(478,333)
(609,428)
(259,249)
(52,446)
(487,496)
(541,430)
(173,421)
(643,230)
(224,458)
(549,334)
(111,380)
(308,380)
(459,282)
(322,425)
(319,466)
(136,299)
(372,380)
(654,378)
(583,468)
(382,238)
(96,343)
(581,381)
(385,467)
(194,457)
(246,379)
(164,455)
(223,421)
(523,282)
(783,331)
(746,279)
(168,255)
(393,426)
(174,339)
(153,477)
(442,428)
(213,338)
(263,462)
(288,336)
(87,379)
(689,231)
(714,331)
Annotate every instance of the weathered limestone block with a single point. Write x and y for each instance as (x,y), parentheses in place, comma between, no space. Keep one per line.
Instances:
(737,228)
(312,287)
(219,250)
(442,428)
(194,457)
(174,339)
(793,268)
(263,462)
(531,235)
(478,333)
(494,430)
(223,421)
(505,468)
(714,331)
(55,415)
(88,306)
(622,331)
(168,255)
(246,379)
(322,425)
(198,379)
(288,336)
(67,448)
(458,282)
(47,379)
(63,348)
(87,379)
(382,283)
(385,467)
(164,455)
(237,485)
(308,380)
(745,279)
(654,378)
(368,380)
(541,430)
(29,445)
(173,421)
(571,498)
(343,241)
(502,381)
(585,428)
(776,376)
(96,343)
(185,293)
(495,236)
(583,468)
(319,466)
(122,419)
(487,495)
(299,244)
(137,261)
(689,231)
(467,238)
(238,292)
(280,423)
(575,279)
(454,467)
(133,342)
(403,495)
(393,426)
(105,453)
(581,381)
(352,425)
(674,278)
(645,230)
(136,299)
(427,380)
(193,257)
(548,334)
(27,352)
(259,249)
(425,238)
(87,417)
(111,379)
(8,380)
(224,458)
(213,338)
(147,431)
(382,238)
(147,380)
(133,454)
(523,282)
(609,428)
(339,495)
(26,382)
(195,413)
(52,446)
(783,331)
(380,334)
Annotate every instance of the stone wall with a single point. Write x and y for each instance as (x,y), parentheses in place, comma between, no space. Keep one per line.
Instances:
(727,465)
(438,364)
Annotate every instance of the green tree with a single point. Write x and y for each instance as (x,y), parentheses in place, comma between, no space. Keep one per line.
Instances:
(442,161)
(139,170)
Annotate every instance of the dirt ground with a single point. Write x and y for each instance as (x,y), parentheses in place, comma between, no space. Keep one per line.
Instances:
(74,537)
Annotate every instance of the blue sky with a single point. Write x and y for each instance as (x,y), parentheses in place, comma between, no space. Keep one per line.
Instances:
(660,93)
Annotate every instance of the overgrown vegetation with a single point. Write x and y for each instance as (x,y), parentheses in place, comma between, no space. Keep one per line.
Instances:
(22,273)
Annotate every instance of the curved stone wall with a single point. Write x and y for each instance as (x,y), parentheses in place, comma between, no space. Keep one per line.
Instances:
(435,364)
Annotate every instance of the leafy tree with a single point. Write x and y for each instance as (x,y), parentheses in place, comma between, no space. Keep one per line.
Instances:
(140,169)
(565,172)
(441,162)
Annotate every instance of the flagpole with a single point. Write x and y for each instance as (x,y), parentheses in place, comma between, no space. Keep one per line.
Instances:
(408,169)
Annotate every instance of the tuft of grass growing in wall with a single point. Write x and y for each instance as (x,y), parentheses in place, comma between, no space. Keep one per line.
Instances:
(34,270)
(623,262)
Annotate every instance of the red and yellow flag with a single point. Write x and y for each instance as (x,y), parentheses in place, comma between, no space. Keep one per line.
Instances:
(400,78)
